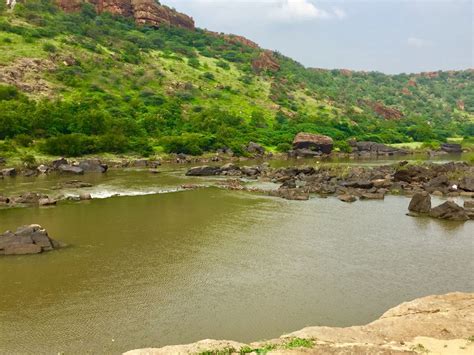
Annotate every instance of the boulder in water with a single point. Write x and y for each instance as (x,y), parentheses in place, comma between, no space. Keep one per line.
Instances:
(204,170)
(420,203)
(30,239)
(449,210)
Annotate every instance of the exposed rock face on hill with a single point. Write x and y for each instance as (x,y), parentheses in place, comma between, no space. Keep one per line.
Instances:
(266,61)
(147,12)
(436,324)
(388,113)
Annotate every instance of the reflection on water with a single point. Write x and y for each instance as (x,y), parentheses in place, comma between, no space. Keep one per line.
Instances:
(175,268)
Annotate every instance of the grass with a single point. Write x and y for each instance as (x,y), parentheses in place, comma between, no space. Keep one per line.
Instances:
(293,343)
(299,343)
(411,145)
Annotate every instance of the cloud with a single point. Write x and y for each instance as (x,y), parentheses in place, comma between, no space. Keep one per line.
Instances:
(296,10)
(339,13)
(418,42)
(301,10)
(279,11)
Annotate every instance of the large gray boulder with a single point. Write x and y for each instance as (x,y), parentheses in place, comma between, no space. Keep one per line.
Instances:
(71,169)
(30,239)
(204,170)
(420,203)
(8,172)
(93,166)
(255,148)
(375,148)
(449,210)
(451,148)
(55,164)
(313,142)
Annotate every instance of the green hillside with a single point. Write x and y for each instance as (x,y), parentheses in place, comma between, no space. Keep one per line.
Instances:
(74,84)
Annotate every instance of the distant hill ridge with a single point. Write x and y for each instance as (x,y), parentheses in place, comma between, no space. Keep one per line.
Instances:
(103,67)
(149,12)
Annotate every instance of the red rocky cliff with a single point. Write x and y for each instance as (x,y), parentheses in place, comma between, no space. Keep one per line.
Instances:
(146,12)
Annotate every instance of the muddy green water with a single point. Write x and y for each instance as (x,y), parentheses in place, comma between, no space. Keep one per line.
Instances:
(177,267)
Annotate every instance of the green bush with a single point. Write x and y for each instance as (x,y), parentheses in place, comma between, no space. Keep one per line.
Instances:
(189,143)
(433,145)
(50,48)
(70,145)
(194,63)
(222,64)
(24,140)
(343,146)
(283,147)
(8,92)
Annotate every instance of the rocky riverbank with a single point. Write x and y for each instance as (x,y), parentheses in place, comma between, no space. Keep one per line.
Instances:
(349,183)
(434,324)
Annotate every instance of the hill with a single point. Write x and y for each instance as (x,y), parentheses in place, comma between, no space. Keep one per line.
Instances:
(135,76)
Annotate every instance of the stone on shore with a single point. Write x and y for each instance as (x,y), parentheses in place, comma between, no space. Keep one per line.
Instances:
(313,142)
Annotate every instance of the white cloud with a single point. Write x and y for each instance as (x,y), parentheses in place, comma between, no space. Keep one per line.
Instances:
(339,13)
(296,10)
(286,11)
(418,42)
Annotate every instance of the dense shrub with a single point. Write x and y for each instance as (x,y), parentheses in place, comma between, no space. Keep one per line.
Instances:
(71,145)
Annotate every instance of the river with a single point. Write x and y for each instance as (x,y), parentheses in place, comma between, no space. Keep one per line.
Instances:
(152,269)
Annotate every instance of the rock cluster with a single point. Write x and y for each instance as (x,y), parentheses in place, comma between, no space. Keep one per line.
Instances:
(32,239)
(372,148)
(349,182)
(420,204)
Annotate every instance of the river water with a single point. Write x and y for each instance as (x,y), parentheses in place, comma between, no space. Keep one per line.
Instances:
(157,269)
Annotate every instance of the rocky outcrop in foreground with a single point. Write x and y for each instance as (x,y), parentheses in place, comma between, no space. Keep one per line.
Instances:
(32,239)
(434,324)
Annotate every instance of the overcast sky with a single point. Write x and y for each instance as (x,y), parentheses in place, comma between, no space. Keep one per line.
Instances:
(390,36)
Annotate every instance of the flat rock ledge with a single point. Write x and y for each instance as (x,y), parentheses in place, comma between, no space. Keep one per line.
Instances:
(435,324)
(32,239)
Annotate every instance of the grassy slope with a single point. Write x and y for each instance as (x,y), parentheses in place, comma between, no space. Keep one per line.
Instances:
(330,96)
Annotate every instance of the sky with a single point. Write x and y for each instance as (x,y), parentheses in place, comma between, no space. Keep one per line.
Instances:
(390,36)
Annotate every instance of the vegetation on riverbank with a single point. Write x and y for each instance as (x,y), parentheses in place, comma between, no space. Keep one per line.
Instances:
(82,83)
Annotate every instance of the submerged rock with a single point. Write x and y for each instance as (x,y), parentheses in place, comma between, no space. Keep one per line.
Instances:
(347,198)
(31,239)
